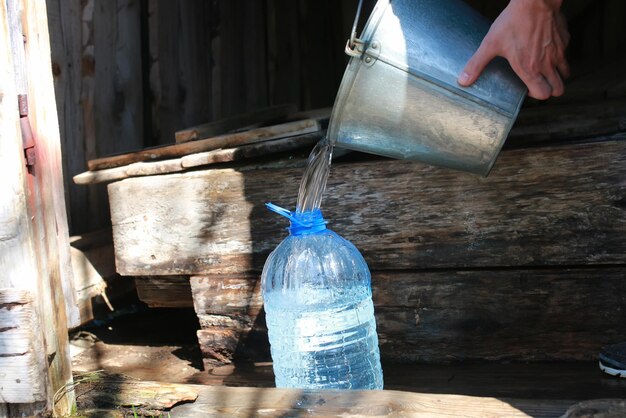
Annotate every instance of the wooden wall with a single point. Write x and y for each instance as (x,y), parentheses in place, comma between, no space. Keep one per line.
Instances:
(129,73)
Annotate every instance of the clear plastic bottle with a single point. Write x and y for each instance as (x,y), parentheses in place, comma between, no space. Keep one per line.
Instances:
(320,316)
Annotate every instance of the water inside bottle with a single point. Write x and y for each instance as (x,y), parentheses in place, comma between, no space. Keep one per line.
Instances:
(329,342)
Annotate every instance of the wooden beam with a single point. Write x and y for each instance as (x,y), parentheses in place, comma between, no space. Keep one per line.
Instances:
(539,207)
(443,316)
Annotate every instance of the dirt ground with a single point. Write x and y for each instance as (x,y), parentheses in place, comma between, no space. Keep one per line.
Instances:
(140,342)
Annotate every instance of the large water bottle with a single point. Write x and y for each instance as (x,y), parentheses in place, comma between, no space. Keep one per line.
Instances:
(318,303)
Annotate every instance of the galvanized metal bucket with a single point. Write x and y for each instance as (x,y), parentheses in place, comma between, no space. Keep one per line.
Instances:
(399,96)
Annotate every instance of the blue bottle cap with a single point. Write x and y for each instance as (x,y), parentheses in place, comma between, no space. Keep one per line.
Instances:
(302,223)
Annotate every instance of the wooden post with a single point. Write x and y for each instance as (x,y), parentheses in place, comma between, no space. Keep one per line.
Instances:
(36,280)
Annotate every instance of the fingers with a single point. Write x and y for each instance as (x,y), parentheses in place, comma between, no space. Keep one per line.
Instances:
(538,86)
(477,63)
(563,68)
(551,75)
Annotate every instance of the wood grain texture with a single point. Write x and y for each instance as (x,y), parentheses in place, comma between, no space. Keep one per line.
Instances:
(66,31)
(443,316)
(93,263)
(147,397)
(181,57)
(544,380)
(223,141)
(568,122)
(22,351)
(17,256)
(164,291)
(118,93)
(539,207)
(272,402)
(45,231)
(239,75)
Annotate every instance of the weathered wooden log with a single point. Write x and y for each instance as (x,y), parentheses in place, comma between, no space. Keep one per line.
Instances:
(539,207)
(224,141)
(145,398)
(22,350)
(443,316)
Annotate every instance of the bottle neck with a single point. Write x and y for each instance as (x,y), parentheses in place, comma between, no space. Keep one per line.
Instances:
(307,223)
(302,223)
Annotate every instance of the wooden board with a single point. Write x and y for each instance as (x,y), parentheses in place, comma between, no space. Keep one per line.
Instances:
(272,402)
(237,122)
(22,351)
(443,316)
(164,291)
(181,57)
(243,152)
(107,394)
(545,380)
(539,207)
(568,122)
(224,141)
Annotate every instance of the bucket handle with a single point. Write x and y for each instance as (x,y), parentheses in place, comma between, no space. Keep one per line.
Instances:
(354,46)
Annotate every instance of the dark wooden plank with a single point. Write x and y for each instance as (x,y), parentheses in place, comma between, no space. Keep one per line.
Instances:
(323,61)
(118,92)
(283,52)
(545,380)
(548,206)
(444,316)
(164,291)
(181,53)
(64,20)
(223,141)
(222,126)
(240,72)
(568,122)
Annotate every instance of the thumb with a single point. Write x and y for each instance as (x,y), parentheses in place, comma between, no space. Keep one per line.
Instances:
(476,64)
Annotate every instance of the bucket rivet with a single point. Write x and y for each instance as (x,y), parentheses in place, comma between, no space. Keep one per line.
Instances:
(374,45)
(368,59)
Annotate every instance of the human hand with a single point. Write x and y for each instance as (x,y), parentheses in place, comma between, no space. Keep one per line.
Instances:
(532,35)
